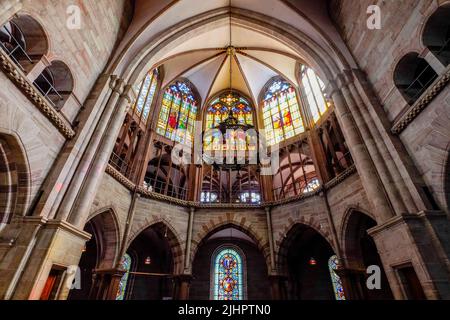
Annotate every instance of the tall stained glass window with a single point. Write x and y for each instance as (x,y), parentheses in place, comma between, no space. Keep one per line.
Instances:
(145,95)
(125,264)
(178,113)
(314,91)
(218,111)
(335,279)
(281,112)
(228,281)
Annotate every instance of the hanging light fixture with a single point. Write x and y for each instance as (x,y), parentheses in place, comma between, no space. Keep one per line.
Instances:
(148,261)
(231,123)
(312,262)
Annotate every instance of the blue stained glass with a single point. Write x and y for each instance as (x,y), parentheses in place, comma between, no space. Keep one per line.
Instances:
(125,264)
(335,279)
(228,276)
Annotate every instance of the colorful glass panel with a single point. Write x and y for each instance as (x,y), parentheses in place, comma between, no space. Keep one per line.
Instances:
(218,112)
(335,279)
(228,276)
(145,95)
(314,92)
(178,113)
(281,113)
(125,264)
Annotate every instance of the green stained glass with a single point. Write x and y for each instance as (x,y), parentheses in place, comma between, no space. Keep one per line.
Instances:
(125,265)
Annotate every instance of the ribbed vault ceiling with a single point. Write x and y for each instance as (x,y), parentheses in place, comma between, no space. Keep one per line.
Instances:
(205,61)
(198,52)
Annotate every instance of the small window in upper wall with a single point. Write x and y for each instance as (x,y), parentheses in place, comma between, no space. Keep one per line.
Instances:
(55,83)
(314,91)
(436,35)
(145,93)
(24,41)
(412,76)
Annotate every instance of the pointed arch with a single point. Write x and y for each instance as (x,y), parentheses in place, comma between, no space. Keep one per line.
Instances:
(14,178)
(178,113)
(282,114)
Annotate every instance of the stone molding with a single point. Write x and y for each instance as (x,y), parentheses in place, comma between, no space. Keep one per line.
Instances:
(21,81)
(413,111)
(197,205)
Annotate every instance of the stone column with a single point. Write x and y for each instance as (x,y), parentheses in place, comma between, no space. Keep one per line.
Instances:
(270,235)
(278,287)
(182,285)
(187,255)
(370,142)
(82,207)
(364,164)
(89,154)
(106,284)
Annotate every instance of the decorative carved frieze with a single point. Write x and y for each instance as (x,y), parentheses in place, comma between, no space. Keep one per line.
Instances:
(21,81)
(198,205)
(414,110)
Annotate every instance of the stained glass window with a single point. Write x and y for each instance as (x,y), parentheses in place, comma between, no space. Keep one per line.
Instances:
(208,197)
(125,264)
(314,91)
(312,185)
(281,113)
(228,276)
(217,112)
(145,95)
(335,279)
(178,113)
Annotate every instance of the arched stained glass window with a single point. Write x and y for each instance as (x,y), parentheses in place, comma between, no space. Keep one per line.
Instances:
(335,279)
(145,95)
(282,117)
(219,111)
(228,283)
(178,113)
(125,264)
(314,92)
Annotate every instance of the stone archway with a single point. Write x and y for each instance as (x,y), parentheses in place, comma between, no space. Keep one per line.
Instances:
(14,179)
(244,241)
(360,252)
(99,254)
(303,260)
(156,256)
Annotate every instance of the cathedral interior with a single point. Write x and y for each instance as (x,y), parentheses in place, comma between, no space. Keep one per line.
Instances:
(224,150)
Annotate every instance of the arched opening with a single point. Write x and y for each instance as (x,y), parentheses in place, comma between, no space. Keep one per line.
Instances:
(99,254)
(436,35)
(281,111)
(412,76)
(304,258)
(55,83)
(253,280)
(165,177)
(296,174)
(153,253)
(361,252)
(14,179)
(24,41)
